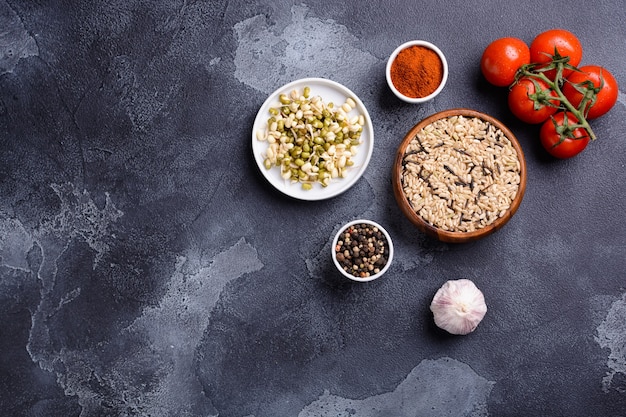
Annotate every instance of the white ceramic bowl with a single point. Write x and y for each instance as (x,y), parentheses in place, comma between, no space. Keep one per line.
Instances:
(330,91)
(389,246)
(444,78)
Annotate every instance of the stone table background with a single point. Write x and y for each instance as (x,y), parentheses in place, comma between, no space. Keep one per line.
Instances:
(147,269)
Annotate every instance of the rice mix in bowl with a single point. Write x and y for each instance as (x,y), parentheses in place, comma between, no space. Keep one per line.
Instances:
(461,173)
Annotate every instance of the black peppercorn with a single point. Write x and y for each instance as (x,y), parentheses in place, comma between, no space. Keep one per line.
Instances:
(364,250)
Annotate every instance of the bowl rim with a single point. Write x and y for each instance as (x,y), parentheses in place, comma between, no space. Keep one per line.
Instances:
(393,56)
(389,245)
(429,229)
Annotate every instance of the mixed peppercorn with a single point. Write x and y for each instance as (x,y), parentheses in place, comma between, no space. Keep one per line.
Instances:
(362,250)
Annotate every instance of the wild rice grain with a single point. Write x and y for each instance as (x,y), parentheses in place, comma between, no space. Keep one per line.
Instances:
(460,173)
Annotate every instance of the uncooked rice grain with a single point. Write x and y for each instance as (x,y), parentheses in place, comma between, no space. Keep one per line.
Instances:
(460,173)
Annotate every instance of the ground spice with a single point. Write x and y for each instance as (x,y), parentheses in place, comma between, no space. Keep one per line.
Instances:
(417,71)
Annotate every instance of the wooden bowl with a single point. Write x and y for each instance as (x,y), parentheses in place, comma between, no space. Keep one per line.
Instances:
(455,236)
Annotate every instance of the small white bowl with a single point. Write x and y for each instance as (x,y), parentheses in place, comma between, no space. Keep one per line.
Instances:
(444,78)
(389,247)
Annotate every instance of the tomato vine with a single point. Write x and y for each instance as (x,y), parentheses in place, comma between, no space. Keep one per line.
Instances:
(559,64)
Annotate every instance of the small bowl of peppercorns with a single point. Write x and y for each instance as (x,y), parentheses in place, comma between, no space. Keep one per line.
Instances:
(362,250)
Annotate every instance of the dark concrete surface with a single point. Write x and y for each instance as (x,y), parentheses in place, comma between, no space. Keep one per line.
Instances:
(146,269)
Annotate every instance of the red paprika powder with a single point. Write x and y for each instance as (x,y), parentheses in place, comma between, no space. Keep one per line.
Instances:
(417,71)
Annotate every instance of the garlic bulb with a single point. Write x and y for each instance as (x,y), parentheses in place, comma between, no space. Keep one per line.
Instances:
(458,306)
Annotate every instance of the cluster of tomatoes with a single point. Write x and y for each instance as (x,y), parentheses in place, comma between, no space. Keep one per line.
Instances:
(547,86)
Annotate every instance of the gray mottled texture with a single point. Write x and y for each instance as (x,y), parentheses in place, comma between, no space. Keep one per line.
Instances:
(147,269)
(433,388)
(612,336)
(15,42)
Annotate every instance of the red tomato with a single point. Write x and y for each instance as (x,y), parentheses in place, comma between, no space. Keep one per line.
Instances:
(542,48)
(560,138)
(501,60)
(529,104)
(606,95)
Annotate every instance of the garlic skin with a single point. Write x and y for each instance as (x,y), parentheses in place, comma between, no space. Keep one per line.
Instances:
(458,306)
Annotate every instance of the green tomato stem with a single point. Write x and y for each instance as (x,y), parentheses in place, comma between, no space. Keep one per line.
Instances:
(565,103)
